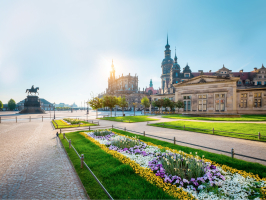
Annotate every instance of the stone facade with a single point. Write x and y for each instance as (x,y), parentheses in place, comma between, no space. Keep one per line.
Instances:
(217,94)
(125,86)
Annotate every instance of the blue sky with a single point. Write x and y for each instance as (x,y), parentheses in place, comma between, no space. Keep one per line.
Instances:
(66,47)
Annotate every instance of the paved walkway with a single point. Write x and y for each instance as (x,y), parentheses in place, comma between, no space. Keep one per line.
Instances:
(34,165)
(241,146)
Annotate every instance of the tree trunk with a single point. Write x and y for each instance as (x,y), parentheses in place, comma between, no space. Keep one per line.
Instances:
(96,113)
(123,110)
(111,111)
(134,111)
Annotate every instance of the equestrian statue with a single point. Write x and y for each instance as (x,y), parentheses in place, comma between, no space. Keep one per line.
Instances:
(32,90)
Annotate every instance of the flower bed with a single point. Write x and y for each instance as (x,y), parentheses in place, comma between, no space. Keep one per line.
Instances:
(72,121)
(179,174)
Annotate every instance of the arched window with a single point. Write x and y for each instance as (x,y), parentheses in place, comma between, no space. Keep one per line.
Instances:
(176,74)
(176,82)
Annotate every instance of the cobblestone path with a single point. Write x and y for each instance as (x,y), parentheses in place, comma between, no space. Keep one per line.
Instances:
(33,165)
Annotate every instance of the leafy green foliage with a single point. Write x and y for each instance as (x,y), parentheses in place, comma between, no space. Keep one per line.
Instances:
(63,125)
(96,103)
(130,119)
(182,166)
(126,142)
(1,105)
(11,104)
(122,102)
(158,103)
(102,132)
(179,104)
(145,102)
(110,102)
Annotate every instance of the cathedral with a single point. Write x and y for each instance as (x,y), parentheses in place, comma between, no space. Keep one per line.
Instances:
(171,72)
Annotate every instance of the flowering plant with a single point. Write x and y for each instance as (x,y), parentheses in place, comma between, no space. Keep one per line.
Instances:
(181,173)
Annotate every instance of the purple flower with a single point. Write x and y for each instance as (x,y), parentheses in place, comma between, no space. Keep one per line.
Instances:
(212,167)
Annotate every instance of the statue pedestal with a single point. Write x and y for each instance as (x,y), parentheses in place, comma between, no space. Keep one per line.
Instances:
(32,105)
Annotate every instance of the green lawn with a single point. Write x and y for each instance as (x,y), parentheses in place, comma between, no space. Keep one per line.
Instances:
(242,118)
(247,128)
(130,119)
(119,179)
(63,125)
(255,168)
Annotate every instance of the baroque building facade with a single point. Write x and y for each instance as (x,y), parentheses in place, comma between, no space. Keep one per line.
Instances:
(222,91)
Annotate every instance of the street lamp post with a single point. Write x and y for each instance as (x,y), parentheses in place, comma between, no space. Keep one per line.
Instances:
(50,110)
(54,110)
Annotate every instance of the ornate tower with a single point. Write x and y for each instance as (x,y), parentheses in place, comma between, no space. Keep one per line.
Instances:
(111,79)
(166,65)
(175,72)
(151,85)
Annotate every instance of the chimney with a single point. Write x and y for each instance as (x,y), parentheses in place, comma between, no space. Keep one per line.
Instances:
(210,71)
(255,68)
(129,74)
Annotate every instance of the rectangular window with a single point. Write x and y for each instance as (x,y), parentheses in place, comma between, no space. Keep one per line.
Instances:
(219,102)
(187,103)
(186,75)
(243,100)
(202,102)
(258,82)
(257,100)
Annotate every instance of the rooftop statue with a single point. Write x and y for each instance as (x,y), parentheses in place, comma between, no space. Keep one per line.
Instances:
(32,90)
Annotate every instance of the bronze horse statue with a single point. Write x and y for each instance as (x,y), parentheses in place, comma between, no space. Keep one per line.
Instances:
(32,90)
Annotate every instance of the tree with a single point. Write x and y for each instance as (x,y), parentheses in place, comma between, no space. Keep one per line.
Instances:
(179,104)
(96,103)
(1,105)
(158,103)
(172,105)
(135,104)
(145,102)
(166,103)
(11,104)
(110,102)
(122,102)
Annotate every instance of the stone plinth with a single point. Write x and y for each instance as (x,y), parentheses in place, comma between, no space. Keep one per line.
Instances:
(32,105)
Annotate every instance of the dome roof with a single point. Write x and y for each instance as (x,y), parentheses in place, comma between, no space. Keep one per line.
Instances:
(167,61)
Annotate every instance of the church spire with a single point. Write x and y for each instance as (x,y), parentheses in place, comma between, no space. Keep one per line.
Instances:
(167,46)
(175,56)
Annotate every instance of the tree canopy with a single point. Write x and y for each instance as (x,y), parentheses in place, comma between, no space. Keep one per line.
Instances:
(122,102)
(145,102)
(1,105)
(11,104)
(179,104)
(96,103)
(110,102)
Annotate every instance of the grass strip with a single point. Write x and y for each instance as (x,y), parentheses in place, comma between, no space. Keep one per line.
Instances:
(251,167)
(130,119)
(63,125)
(119,179)
(242,118)
(246,128)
